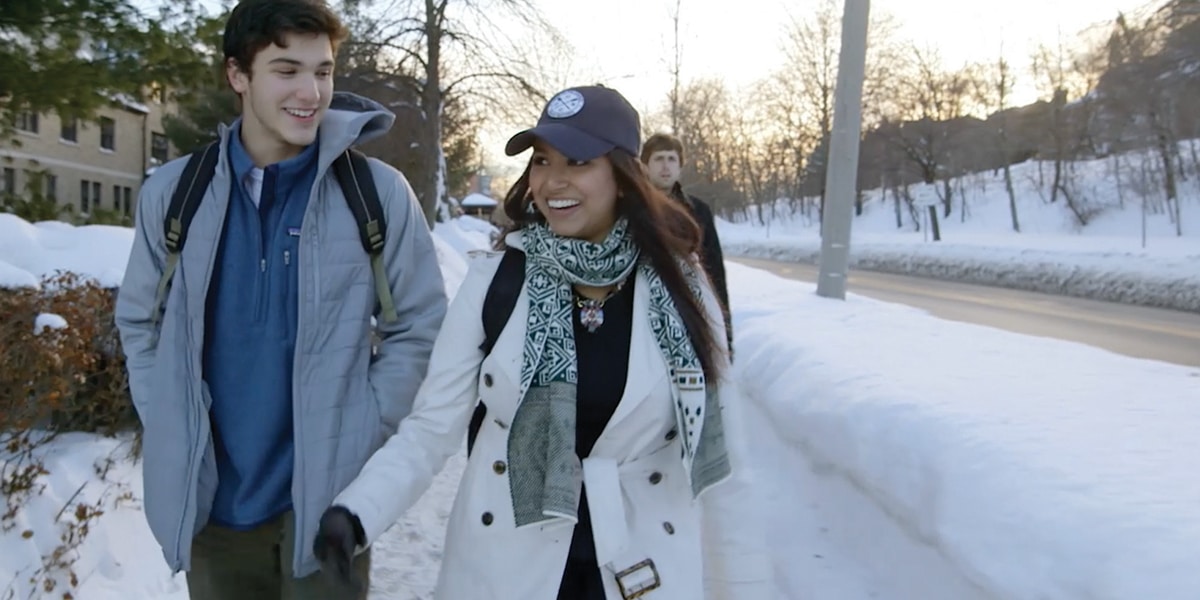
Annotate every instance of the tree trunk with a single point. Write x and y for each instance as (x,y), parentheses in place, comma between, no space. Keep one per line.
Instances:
(431,190)
(948,198)
(1195,160)
(934,228)
(1164,153)
(1057,180)
(1116,170)
(962,203)
(1012,198)
(896,201)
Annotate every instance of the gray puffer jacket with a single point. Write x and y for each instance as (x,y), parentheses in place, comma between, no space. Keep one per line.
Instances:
(346,402)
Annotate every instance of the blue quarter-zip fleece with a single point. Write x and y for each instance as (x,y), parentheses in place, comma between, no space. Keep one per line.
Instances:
(250,339)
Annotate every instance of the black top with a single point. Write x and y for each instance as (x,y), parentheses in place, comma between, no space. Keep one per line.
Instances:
(710,249)
(602,359)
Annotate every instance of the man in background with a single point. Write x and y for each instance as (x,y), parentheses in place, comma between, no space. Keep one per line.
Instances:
(663,156)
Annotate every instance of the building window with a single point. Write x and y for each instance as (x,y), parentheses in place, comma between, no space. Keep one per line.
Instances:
(27,121)
(42,183)
(121,195)
(89,196)
(128,198)
(159,148)
(108,134)
(8,185)
(70,130)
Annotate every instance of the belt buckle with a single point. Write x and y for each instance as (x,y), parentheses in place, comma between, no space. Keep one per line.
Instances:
(643,578)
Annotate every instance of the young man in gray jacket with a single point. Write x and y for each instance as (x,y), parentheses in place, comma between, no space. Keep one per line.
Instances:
(254,375)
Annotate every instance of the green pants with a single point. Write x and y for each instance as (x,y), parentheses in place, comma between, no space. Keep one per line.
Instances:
(257,564)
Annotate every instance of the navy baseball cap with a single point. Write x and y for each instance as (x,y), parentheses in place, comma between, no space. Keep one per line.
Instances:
(584,123)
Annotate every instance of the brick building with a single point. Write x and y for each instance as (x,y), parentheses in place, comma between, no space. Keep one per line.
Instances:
(86,165)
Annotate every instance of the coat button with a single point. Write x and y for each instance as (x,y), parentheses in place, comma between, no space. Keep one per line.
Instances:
(655,478)
(669,528)
(487,379)
(671,434)
(499,467)
(487,518)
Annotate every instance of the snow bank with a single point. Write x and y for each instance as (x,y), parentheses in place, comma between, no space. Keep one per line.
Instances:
(1116,276)
(1104,260)
(1033,469)
(29,252)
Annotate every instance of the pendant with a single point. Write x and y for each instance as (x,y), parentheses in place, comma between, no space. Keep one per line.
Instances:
(591,315)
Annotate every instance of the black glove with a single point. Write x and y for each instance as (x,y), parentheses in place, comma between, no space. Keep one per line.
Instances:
(338,535)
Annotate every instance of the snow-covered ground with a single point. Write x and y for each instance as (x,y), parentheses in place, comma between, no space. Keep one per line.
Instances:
(901,457)
(956,461)
(1104,260)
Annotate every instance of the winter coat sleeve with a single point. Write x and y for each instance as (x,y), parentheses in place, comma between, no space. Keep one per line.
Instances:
(713,258)
(135,308)
(415,279)
(399,472)
(737,565)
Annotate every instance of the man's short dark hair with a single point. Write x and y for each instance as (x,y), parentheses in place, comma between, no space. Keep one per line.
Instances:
(661,142)
(256,24)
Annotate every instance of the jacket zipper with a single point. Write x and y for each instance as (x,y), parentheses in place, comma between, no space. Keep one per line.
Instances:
(260,285)
(309,231)
(189,500)
(196,452)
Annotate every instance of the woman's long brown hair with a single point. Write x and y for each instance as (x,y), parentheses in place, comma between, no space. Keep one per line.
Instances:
(664,232)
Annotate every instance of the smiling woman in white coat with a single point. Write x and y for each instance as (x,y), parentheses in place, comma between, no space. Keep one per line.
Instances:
(607,458)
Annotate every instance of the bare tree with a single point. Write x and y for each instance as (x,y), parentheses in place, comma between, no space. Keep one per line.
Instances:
(676,67)
(474,51)
(995,92)
(931,104)
(1140,57)
(1061,73)
(801,91)
(728,155)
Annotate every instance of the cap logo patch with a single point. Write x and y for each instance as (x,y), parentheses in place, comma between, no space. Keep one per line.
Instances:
(565,104)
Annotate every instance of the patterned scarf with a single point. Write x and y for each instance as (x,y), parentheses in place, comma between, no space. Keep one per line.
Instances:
(545,474)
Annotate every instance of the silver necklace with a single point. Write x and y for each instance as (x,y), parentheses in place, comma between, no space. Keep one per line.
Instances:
(591,311)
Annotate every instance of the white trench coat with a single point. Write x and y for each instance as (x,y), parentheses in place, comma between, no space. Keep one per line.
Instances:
(642,509)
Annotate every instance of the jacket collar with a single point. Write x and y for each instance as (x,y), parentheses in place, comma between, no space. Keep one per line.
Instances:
(351,120)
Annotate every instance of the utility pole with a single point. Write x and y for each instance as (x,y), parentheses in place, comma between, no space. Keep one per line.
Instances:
(842,166)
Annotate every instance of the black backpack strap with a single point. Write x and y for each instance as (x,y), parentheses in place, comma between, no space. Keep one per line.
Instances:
(358,186)
(501,297)
(185,201)
(498,305)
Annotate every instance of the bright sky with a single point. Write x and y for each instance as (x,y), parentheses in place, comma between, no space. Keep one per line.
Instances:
(629,42)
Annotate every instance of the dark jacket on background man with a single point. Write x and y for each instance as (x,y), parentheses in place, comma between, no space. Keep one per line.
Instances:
(711,256)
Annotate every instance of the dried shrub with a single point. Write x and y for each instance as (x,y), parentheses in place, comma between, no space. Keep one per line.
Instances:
(67,379)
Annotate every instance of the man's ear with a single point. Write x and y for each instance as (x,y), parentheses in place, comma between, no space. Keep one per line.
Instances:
(238,79)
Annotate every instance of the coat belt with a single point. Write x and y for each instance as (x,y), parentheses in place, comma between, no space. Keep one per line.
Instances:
(602,484)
